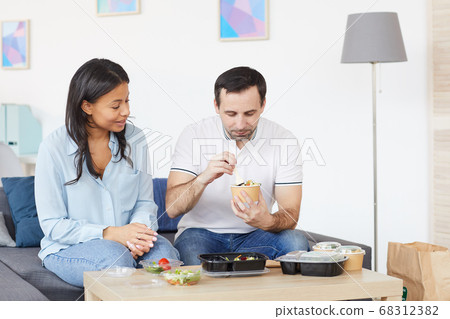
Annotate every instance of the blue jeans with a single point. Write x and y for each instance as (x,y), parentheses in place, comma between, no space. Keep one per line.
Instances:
(70,263)
(195,241)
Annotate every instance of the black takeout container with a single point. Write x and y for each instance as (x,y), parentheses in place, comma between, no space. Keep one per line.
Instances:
(290,264)
(224,262)
(290,267)
(322,269)
(323,264)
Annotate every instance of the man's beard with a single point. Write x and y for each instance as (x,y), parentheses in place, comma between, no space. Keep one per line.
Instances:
(245,137)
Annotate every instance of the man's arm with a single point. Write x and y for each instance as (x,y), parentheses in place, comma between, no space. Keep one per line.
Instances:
(184,190)
(289,199)
(258,215)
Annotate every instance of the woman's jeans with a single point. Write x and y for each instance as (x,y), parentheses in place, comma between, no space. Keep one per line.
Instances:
(195,241)
(70,263)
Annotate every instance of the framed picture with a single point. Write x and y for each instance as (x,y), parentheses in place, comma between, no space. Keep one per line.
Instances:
(15,44)
(243,20)
(117,7)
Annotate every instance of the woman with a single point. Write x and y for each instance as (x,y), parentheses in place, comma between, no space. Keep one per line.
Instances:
(94,195)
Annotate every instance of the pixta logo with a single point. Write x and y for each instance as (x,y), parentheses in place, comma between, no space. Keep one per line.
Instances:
(152,150)
(287,150)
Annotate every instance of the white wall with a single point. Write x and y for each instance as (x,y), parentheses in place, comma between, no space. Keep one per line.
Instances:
(172,55)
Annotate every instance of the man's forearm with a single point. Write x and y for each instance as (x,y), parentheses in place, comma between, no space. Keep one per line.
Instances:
(182,198)
(282,220)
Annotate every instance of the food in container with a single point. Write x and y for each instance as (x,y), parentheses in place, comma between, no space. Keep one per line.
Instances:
(226,262)
(250,183)
(250,187)
(326,246)
(355,257)
(158,266)
(322,263)
(179,277)
(290,263)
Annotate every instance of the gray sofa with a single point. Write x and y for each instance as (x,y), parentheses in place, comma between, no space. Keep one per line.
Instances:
(22,276)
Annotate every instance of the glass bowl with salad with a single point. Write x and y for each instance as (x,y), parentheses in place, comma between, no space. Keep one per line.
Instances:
(156,267)
(179,277)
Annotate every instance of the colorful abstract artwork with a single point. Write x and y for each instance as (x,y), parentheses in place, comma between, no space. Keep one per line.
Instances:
(243,19)
(115,7)
(15,44)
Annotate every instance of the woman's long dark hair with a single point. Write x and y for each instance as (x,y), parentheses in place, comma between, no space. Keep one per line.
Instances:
(92,80)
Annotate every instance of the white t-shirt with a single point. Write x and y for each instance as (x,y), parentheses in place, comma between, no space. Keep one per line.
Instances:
(271,157)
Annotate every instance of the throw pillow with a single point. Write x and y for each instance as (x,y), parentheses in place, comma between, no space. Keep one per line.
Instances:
(165,223)
(20,194)
(5,239)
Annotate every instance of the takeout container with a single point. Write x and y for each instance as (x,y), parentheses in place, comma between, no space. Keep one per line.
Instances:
(290,263)
(252,192)
(355,257)
(313,263)
(224,262)
(152,265)
(144,282)
(180,277)
(322,263)
(326,246)
(118,271)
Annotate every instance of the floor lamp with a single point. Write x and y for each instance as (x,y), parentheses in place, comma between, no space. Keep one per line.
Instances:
(373,37)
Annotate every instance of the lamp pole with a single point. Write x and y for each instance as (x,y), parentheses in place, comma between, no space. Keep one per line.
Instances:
(373,37)
(374,119)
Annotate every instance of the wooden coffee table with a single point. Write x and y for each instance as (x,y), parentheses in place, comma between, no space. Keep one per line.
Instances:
(270,286)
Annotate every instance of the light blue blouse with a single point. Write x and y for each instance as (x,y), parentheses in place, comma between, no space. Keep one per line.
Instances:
(72,214)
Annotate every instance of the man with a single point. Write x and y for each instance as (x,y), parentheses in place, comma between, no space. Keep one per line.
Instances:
(258,149)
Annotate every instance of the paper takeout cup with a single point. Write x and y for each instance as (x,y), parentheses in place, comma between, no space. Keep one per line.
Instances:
(252,191)
(355,257)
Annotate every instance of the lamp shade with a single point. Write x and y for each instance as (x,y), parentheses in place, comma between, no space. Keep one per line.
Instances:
(373,37)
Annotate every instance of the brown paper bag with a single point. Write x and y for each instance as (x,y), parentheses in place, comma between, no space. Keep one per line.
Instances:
(424,268)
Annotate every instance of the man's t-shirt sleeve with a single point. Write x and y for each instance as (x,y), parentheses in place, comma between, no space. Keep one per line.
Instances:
(183,159)
(290,170)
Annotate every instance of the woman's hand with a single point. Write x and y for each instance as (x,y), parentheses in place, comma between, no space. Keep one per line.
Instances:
(138,238)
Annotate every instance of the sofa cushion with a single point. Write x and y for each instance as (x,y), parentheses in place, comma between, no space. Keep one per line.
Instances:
(26,263)
(20,194)
(170,236)
(5,238)
(14,288)
(4,207)
(165,223)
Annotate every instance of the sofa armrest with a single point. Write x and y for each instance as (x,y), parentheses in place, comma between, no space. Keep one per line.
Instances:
(314,238)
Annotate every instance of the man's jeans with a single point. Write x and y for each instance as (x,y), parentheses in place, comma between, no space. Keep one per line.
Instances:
(70,263)
(195,241)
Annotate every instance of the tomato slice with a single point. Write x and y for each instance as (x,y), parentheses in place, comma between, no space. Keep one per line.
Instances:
(164,264)
(163,261)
